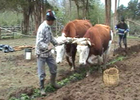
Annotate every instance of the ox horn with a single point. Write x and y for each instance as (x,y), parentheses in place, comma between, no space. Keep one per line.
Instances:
(89,42)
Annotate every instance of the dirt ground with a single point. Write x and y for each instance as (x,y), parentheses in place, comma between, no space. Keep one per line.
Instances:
(17,73)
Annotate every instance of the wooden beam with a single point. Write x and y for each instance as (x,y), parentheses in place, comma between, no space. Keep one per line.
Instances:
(6,29)
(132,22)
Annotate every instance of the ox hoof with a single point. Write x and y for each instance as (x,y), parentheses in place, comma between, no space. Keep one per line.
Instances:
(72,69)
(87,74)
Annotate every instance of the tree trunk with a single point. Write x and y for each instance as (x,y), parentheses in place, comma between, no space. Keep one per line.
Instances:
(27,10)
(70,8)
(43,10)
(84,9)
(78,8)
(78,14)
(87,10)
(37,15)
(115,16)
(25,22)
(108,12)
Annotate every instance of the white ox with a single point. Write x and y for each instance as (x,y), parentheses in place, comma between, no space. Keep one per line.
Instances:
(59,50)
(84,47)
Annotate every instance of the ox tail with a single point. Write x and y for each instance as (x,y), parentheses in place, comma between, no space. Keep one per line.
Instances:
(109,43)
(111,35)
(111,39)
(107,52)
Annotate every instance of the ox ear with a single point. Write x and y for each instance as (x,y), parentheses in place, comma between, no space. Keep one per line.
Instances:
(63,35)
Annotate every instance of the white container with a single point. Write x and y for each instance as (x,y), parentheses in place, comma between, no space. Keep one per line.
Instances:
(28,53)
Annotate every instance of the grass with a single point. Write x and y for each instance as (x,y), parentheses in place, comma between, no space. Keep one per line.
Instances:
(10,18)
(132,37)
(49,88)
(120,58)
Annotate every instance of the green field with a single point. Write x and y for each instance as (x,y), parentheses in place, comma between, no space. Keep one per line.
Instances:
(10,18)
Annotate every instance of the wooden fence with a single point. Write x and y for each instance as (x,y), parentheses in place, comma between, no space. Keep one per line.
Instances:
(8,32)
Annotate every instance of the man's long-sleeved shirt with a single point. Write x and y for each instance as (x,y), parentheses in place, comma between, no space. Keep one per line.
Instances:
(43,39)
(122,28)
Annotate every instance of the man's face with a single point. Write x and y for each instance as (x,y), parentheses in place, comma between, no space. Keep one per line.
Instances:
(50,22)
(122,21)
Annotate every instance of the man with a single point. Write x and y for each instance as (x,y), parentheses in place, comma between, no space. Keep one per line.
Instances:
(122,30)
(43,39)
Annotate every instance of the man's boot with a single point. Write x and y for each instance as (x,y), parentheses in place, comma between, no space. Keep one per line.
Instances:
(42,90)
(53,82)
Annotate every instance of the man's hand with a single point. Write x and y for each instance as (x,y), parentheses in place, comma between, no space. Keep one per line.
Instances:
(117,31)
(61,43)
(125,32)
(50,47)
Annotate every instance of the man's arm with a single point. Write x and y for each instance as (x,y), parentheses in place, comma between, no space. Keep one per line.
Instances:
(40,40)
(53,41)
(126,28)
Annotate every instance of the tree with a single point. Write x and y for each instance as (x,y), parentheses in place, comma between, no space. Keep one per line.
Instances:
(122,12)
(108,12)
(27,9)
(132,11)
(40,7)
(82,6)
(133,8)
(96,12)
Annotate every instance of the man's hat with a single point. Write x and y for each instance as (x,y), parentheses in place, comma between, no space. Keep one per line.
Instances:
(50,15)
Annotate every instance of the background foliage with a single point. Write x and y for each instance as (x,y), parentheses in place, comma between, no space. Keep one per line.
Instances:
(30,13)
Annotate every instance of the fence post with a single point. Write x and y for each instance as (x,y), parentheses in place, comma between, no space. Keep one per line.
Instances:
(0,33)
(12,31)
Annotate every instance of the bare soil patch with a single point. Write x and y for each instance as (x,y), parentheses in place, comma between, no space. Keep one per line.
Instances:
(93,88)
(17,74)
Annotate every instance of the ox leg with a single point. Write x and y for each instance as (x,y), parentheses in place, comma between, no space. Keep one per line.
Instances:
(100,61)
(73,53)
(68,60)
(71,61)
(105,56)
(91,59)
(88,70)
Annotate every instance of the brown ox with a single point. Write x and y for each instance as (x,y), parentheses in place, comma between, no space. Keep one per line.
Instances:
(96,41)
(76,28)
